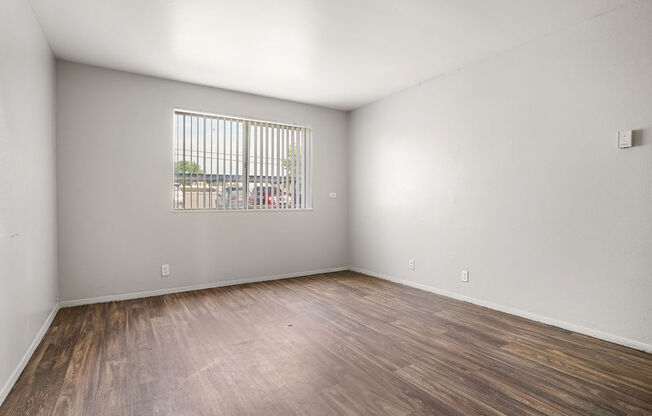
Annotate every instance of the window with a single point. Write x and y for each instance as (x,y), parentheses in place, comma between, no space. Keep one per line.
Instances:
(226,163)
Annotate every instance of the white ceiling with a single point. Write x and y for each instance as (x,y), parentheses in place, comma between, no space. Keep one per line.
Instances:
(335,53)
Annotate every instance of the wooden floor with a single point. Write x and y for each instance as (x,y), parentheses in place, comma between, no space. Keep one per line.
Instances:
(336,344)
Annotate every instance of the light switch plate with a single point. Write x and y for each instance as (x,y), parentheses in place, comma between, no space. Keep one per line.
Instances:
(624,139)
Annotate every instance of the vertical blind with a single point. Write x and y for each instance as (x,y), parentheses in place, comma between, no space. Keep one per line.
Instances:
(227,163)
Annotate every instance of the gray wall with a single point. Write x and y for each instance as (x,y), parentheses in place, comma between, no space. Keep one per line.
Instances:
(28,268)
(114,163)
(509,168)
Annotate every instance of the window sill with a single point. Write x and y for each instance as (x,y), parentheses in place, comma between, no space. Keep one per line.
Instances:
(177,211)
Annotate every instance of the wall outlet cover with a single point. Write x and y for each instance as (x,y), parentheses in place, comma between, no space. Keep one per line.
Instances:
(165,270)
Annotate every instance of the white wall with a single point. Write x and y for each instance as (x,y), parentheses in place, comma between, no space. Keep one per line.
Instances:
(28,269)
(509,168)
(116,226)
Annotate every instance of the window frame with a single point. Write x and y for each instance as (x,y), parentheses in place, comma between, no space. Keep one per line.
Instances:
(309,162)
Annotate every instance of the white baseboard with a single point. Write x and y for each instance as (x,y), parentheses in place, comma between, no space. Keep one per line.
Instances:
(513,311)
(158,292)
(6,388)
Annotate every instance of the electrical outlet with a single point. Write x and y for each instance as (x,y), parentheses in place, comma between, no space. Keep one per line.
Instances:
(411,264)
(165,270)
(465,276)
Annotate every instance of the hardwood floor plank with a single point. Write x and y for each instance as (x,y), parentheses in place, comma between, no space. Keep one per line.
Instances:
(81,374)
(38,387)
(333,344)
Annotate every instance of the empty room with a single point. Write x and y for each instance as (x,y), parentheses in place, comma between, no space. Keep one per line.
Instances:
(313,207)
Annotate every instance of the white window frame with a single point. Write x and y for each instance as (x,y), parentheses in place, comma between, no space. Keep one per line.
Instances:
(306,144)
